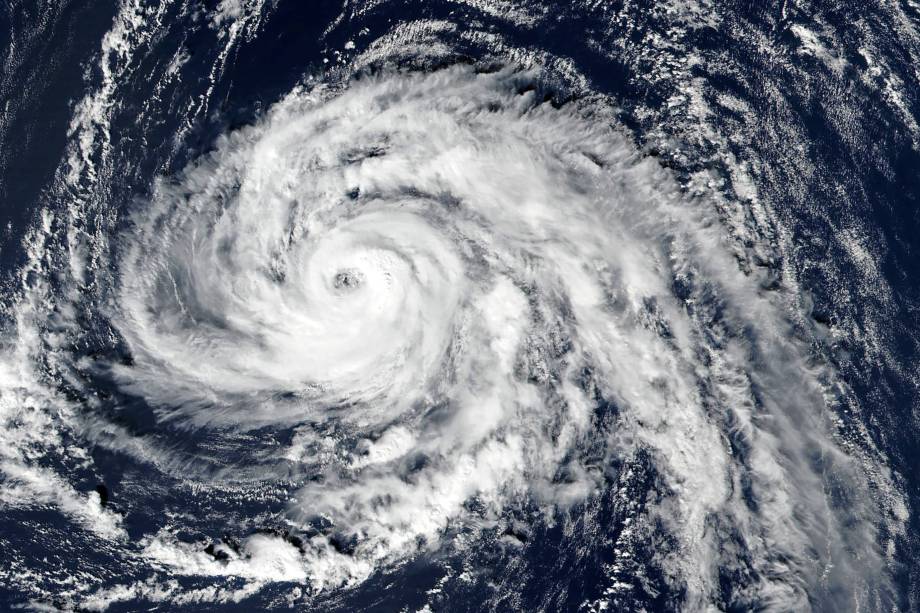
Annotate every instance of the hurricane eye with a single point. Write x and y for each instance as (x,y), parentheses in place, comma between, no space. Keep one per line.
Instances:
(348,280)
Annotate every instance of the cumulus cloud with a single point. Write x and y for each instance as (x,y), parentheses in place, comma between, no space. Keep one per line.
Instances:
(435,281)
(433,262)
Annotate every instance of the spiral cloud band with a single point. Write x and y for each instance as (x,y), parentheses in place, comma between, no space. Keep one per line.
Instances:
(461,300)
(453,276)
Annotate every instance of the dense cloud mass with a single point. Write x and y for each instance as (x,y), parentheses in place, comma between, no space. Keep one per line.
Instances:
(452,290)
(407,312)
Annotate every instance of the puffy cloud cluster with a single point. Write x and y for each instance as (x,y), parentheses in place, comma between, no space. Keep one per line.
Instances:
(439,282)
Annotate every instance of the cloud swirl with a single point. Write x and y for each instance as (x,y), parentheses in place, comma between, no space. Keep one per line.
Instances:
(454,298)
(451,289)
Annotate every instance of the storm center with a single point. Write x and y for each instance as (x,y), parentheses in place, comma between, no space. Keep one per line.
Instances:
(348,279)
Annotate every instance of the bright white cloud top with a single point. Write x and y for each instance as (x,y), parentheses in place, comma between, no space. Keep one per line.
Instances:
(421,305)
(456,292)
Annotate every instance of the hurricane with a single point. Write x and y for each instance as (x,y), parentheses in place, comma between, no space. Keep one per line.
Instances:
(437,324)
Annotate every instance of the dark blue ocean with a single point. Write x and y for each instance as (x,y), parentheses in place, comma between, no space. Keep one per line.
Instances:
(164,449)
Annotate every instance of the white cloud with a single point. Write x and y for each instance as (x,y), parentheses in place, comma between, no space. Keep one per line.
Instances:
(431,264)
